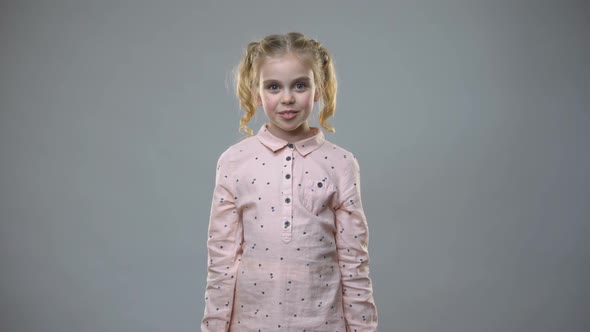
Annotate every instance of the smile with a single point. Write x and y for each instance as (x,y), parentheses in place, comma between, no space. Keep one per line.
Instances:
(288,114)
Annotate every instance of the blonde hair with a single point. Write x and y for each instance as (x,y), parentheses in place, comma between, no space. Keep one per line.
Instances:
(276,45)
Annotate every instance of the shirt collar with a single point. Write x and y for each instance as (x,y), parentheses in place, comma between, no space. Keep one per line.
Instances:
(304,146)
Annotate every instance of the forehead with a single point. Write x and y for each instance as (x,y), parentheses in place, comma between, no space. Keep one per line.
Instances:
(284,67)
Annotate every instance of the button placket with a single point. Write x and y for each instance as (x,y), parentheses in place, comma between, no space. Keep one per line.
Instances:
(287,189)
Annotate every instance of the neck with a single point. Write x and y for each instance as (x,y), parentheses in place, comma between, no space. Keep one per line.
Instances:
(302,132)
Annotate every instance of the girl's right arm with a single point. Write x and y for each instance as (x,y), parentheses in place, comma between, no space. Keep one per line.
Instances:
(224,251)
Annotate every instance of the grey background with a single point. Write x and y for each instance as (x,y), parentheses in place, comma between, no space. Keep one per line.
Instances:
(469,118)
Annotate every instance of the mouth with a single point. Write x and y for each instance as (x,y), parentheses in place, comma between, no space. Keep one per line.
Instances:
(288,114)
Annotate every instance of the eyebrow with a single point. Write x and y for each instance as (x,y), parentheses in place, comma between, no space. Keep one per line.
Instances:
(298,79)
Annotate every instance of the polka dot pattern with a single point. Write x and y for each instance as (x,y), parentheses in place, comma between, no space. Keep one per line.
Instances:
(288,239)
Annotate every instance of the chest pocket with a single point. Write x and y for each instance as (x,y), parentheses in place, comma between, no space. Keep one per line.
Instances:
(316,195)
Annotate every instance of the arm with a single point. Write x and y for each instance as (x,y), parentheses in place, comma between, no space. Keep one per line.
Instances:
(352,240)
(224,252)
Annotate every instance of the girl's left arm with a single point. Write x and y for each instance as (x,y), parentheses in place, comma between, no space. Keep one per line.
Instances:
(352,240)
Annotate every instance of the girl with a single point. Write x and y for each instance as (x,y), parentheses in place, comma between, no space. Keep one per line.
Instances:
(288,236)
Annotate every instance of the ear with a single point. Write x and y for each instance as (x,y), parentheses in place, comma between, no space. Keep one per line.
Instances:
(316,95)
(257,98)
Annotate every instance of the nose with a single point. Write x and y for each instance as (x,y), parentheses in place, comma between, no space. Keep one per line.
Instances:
(287,98)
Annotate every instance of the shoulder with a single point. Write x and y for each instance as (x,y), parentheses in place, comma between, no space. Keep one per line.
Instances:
(341,154)
(235,151)
(335,148)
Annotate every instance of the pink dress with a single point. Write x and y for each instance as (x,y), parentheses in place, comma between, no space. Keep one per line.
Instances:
(288,239)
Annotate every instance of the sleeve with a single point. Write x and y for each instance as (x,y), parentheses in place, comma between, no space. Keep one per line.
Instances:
(352,240)
(224,249)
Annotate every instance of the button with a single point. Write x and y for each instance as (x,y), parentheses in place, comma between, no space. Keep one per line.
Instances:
(287,200)
(291,145)
(287,224)
(288,176)
(320,184)
(288,158)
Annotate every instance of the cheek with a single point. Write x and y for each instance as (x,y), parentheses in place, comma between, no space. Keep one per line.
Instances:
(309,100)
(269,100)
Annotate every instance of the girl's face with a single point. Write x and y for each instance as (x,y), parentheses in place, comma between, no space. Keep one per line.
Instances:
(287,93)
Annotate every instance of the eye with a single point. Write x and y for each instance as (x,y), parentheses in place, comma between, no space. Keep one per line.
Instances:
(273,87)
(300,86)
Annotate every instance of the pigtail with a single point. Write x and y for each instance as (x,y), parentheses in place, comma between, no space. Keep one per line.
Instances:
(244,87)
(328,90)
